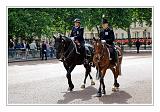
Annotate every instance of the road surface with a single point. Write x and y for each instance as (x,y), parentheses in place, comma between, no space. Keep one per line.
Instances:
(44,82)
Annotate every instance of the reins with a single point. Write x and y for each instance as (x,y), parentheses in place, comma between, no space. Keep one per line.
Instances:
(67,51)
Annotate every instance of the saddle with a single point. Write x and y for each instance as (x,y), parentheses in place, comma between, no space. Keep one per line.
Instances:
(114,53)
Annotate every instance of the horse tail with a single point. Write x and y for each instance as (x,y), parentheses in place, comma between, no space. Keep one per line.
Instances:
(120,56)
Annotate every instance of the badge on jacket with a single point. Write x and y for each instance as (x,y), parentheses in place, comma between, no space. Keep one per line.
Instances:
(77,32)
(106,33)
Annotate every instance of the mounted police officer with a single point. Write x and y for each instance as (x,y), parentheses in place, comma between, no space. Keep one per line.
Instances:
(77,36)
(107,34)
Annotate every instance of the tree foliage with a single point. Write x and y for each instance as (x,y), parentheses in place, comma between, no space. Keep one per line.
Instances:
(29,22)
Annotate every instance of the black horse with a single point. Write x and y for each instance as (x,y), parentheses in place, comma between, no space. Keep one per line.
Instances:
(65,49)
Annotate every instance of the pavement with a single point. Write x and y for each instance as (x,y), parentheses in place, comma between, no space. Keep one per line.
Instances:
(44,82)
(125,52)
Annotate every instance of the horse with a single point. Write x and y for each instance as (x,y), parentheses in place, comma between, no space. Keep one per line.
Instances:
(65,49)
(102,61)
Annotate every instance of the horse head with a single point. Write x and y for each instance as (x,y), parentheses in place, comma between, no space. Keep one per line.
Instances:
(59,45)
(98,45)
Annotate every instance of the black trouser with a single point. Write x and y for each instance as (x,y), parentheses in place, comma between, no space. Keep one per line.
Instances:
(113,52)
(137,49)
(81,49)
(44,53)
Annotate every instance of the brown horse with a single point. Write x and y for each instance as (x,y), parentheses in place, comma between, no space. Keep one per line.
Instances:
(102,61)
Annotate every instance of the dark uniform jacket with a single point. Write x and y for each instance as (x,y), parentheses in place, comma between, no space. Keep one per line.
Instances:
(44,47)
(107,35)
(138,44)
(77,33)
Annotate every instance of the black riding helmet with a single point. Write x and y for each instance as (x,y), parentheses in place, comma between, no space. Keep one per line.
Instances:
(104,21)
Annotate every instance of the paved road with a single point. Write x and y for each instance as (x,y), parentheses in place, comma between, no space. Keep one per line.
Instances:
(44,82)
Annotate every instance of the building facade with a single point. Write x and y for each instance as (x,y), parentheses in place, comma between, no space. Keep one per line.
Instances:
(136,30)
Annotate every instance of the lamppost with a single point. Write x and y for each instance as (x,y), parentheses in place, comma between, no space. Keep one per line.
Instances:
(145,39)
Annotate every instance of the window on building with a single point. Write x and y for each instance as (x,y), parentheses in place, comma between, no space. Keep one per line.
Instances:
(141,24)
(137,34)
(149,35)
(96,34)
(135,25)
(122,34)
(116,35)
(91,34)
(144,34)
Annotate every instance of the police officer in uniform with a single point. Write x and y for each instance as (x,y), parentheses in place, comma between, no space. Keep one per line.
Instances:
(77,36)
(107,34)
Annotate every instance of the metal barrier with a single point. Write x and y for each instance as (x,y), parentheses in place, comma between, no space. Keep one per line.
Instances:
(24,55)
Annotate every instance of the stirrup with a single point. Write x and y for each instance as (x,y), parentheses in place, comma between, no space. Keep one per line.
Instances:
(77,52)
(60,59)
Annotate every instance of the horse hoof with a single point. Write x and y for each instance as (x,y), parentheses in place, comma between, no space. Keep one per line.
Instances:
(92,83)
(99,95)
(71,88)
(83,86)
(116,85)
(115,89)
(103,92)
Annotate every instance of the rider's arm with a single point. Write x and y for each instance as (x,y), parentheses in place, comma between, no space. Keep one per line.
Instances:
(72,35)
(101,35)
(112,35)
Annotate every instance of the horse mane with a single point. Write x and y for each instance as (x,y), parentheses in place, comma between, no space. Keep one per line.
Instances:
(66,39)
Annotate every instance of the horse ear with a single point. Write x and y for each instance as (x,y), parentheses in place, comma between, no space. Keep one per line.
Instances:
(60,36)
(54,37)
(94,38)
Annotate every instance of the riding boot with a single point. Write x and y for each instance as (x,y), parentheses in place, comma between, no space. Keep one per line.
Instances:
(76,48)
(61,58)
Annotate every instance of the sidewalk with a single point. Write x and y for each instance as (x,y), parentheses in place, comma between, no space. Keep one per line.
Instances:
(32,59)
(126,53)
(141,51)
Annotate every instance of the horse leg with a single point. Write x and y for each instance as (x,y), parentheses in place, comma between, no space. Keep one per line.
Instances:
(116,84)
(103,85)
(84,82)
(99,93)
(92,82)
(88,70)
(71,86)
(102,80)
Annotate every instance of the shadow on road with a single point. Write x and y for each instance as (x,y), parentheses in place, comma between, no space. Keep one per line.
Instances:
(84,95)
(120,97)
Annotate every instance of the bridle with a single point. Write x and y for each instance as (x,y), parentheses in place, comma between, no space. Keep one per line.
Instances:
(68,49)
(101,54)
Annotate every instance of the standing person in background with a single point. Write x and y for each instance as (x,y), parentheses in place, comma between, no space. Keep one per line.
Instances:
(18,47)
(27,49)
(47,44)
(23,48)
(138,44)
(11,48)
(33,48)
(44,50)
(51,49)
